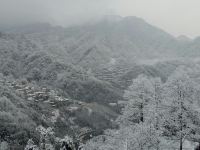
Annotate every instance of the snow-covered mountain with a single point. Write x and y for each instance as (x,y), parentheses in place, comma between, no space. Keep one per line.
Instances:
(110,51)
(90,64)
(106,42)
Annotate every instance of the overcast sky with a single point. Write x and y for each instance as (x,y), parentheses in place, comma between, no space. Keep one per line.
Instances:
(175,16)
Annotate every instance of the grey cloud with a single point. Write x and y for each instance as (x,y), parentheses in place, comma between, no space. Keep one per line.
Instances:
(175,16)
(62,12)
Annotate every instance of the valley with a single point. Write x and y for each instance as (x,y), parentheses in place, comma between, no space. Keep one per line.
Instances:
(73,80)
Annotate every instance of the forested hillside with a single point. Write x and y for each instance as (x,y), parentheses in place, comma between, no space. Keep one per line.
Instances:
(98,79)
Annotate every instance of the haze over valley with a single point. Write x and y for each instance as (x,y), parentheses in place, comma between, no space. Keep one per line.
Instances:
(96,81)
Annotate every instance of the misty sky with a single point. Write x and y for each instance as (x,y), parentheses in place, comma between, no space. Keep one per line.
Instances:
(175,16)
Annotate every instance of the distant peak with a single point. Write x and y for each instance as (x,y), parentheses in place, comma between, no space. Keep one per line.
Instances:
(133,18)
(183,38)
(116,19)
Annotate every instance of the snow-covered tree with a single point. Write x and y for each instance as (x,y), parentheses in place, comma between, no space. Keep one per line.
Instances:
(142,116)
(46,137)
(180,99)
(138,96)
(31,145)
(155,111)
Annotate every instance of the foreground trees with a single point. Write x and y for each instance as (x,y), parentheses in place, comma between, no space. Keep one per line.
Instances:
(139,95)
(181,98)
(157,113)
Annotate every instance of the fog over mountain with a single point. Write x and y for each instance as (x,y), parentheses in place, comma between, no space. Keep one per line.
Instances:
(75,75)
(181,19)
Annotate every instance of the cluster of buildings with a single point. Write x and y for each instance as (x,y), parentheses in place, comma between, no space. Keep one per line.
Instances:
(41,95)
(32,93)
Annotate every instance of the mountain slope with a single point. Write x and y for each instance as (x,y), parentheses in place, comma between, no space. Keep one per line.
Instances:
(90,65)
(96,45)
(23,59)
